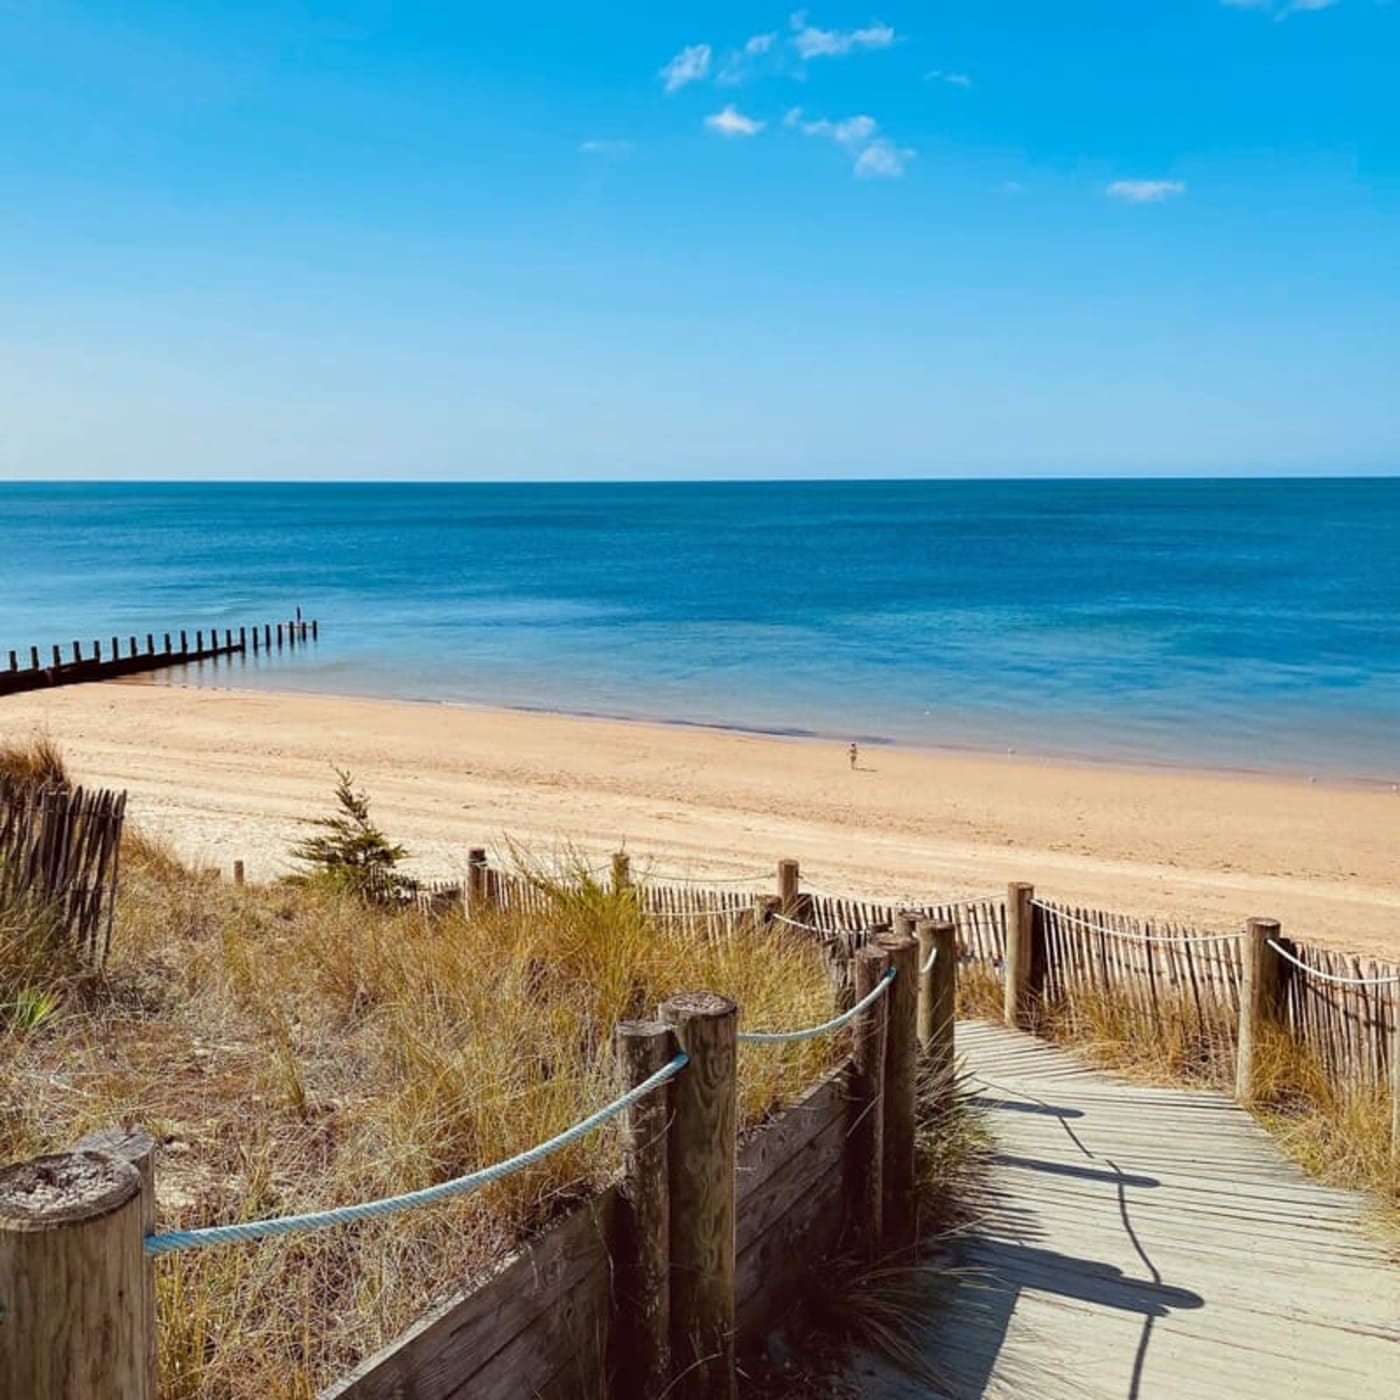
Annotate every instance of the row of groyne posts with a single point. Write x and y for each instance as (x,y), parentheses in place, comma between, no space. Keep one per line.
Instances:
(77,1230)
(95,663)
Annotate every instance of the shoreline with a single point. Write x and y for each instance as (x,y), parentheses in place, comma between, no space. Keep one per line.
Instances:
(1069,757)
(235,774)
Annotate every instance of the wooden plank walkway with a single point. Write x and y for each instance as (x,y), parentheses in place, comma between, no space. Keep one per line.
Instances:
(1145,1242)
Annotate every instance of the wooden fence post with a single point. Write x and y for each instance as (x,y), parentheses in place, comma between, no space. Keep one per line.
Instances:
(901,1088)
(73,1280)
(137,1147)
(789,878)
(865,1145)
(478,892)
(702,1169)
(938,1004)
(34,658)
(1261,997)
(1020,954)
(641,1333)
(238,872)
(621,872)
(1395,1085)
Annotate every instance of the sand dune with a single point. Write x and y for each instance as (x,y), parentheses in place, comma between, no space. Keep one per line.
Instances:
(233,774)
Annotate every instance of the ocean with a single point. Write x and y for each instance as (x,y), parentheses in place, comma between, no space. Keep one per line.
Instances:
(1239,624)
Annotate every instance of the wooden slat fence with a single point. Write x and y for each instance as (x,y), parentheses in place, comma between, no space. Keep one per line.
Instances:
(59,854)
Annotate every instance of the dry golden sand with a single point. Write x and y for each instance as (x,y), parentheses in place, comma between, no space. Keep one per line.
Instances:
(232,774)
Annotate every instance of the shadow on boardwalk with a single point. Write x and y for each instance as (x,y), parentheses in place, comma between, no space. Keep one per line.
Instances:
(1142,1242)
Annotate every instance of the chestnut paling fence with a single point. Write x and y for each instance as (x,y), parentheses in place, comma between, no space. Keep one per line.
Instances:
(645,1288)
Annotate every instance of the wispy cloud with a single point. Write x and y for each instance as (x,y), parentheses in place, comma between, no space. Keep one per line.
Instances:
(937,75)
(743,63)
(688,66)
(1282,9)
(1146,191)
(732,122)
(610,149)
(811,42)
(853,131)
(883,160)
(875,155)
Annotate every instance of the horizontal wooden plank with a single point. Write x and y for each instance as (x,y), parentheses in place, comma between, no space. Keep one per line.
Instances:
(452,1343)
(770,1271)
(771,1147)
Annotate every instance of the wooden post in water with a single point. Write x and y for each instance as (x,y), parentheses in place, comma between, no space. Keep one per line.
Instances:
(641,1250)
(1020,953)
(901,1088)
(77,652)
(1261,1003)
(255,641)
(267,636)
(14,662)
(131,646)
(116,651)
(279,636)
(243,639)
(938,994)
(865,1143)
(315,628)
(789,878)
(74,1280)
(34,657)
(57,657)
(702,1185)
(621,872)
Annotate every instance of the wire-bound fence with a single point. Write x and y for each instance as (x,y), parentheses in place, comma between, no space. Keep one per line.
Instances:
(59,851)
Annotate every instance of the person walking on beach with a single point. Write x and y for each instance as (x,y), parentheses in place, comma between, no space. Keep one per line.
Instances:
(854,754)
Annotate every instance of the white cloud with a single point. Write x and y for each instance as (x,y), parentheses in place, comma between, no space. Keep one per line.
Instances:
(852,132)
(875,155)
(954,79)
(1281,9)
(1146,191)
(741,64)
(605,148)
(883,160)
(811,42)
(1012,187)
(688,66)
(732,122)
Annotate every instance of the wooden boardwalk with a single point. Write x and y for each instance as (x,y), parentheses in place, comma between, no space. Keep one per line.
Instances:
(1149,1242)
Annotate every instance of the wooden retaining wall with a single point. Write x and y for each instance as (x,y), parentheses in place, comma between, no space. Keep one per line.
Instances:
(538,1324)
(41,668)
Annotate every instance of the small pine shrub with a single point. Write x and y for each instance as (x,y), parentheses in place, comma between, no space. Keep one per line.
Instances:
(349,851)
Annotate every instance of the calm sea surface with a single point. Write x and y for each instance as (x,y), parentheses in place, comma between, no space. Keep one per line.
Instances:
(1241,624)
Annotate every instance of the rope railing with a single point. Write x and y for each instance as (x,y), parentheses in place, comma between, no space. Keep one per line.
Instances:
(173,1241)
(928,966)
(826,1027)
(826,932)
(656,879)
(1127,937)
(1392,981)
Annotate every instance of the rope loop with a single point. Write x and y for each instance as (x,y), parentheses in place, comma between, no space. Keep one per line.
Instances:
(1330,976)
(175,1240)
(826,1027)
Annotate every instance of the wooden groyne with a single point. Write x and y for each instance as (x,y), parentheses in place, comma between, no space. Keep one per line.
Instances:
(93,662)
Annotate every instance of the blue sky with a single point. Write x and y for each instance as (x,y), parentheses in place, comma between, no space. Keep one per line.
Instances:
(555,240)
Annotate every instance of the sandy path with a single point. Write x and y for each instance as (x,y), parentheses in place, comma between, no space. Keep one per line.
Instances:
(233,774)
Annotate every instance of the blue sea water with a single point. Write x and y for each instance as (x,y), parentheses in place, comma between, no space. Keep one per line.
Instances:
(1241,624)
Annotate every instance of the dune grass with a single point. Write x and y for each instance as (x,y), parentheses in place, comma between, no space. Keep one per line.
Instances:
(34,760)
(294,1047)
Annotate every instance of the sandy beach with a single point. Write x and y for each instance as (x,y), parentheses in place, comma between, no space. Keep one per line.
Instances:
(228,774)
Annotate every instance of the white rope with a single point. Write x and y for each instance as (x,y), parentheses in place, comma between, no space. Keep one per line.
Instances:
(695,913)
(1135,937)
(827,932)
(835,1024)
(928,966)
(174,1240)
(1332,977)
(711,879)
